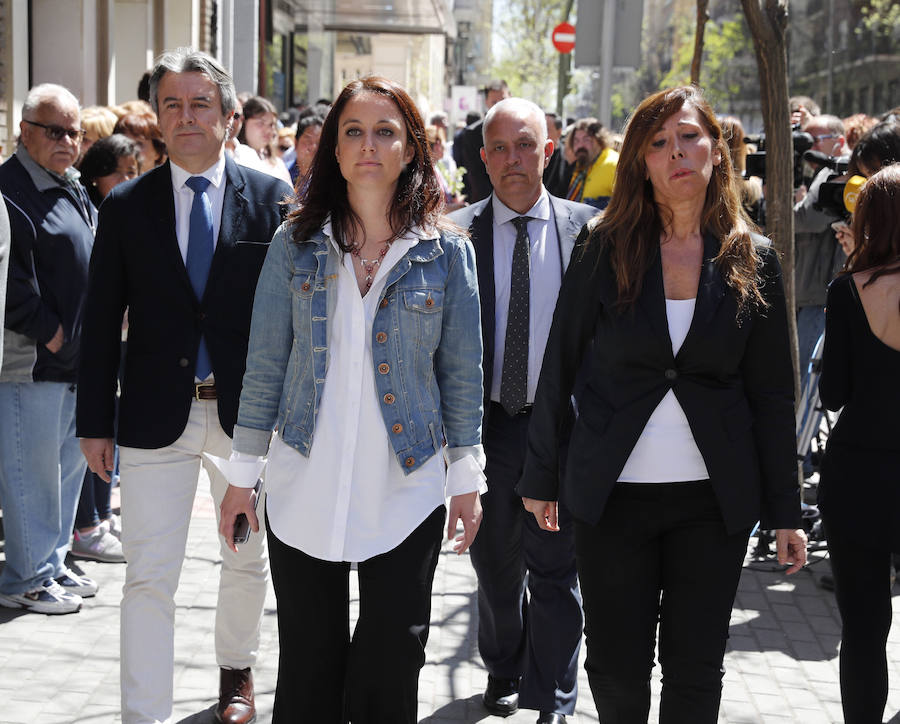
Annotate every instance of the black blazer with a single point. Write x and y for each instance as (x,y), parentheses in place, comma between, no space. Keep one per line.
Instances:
(569,217)
(136,265)
(733,379)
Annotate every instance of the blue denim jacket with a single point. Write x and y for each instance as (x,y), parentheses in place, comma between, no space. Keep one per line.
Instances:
(426,348)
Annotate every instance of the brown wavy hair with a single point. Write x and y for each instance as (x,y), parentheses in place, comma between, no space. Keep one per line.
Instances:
(633,222)
(418,200)
(875,226)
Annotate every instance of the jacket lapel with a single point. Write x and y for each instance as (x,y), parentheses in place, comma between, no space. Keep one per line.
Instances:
(234,212)
(162,213)
(482,232)
(566,230)
(652,300)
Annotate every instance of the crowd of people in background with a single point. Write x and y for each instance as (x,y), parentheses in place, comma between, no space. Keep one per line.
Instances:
(646,230)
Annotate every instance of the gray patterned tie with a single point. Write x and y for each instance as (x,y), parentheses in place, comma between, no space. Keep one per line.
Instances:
(514,382)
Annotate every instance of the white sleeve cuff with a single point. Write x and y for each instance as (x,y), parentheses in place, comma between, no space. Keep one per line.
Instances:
(241,470)
(465,475)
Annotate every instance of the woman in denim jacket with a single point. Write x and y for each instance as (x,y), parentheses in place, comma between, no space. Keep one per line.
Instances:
(365,357)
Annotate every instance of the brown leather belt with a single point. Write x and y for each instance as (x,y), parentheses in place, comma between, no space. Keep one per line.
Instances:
(205,391)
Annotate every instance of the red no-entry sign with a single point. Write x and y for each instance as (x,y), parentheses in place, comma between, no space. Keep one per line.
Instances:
(563,37)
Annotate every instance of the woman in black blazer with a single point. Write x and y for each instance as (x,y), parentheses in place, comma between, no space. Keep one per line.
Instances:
(672,317)
(860,488)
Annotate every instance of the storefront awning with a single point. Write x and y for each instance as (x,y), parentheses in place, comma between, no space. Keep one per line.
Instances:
(414,17)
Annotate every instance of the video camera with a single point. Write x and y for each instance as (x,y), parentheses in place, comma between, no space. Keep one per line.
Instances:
(831,191)
(756,162)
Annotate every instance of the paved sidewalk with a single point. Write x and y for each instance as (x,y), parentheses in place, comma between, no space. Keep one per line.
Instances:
(781,664)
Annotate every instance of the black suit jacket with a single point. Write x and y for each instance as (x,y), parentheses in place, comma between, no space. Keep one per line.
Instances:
(136,265)
(569,217)
(478,184)
(733,379)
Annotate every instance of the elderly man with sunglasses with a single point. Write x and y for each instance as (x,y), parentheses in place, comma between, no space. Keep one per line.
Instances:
(52,224)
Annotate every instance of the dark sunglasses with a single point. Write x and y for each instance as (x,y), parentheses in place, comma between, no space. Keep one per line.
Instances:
(56,133)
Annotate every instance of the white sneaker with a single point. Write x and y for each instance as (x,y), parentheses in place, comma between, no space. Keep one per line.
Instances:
(82,586)
(101,545)
(51,598)
(113,524)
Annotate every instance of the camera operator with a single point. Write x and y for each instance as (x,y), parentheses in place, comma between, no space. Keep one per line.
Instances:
(818,256)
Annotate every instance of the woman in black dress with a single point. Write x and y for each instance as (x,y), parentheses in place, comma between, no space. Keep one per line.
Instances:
(859,493)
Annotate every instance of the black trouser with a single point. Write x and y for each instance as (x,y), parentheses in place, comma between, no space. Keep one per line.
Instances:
(535,637)
(325,677)
(862,587)
(660,553)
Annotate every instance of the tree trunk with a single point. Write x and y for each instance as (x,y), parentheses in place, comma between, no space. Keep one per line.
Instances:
(702,17)
(767,20)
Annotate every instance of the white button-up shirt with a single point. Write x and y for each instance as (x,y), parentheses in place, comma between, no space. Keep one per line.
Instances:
(545,281)
(184,199)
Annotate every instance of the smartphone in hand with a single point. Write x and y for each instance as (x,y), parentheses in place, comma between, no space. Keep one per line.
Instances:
(241,532)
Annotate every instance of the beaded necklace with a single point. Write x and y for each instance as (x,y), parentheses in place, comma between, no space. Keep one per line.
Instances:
(369,265)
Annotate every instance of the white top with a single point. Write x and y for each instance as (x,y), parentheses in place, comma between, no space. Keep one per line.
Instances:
(545,280)
(666,452)
(184,199)
(350,500)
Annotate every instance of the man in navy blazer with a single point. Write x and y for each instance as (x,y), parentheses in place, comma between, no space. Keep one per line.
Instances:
(523,240)
(180,248)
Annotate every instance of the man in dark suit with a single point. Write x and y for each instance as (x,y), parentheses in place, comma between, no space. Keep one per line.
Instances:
(523,240)
(478,185)
(181,248)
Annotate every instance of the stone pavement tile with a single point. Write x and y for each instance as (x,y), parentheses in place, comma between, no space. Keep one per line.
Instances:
(790,677)
(771,704)
(754,600)
(22,711)
(739,712)
(835,711)
(799,631)
(812,716)
(787,612)
(770,638)
(759,685)
(813,606)
(744,642)
(809,651)
(775,659)
(801,698)
(821,671)
(825,691)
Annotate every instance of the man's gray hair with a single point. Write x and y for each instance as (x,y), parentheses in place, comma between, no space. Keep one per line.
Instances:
(189,60)
(46,93)
(518,106)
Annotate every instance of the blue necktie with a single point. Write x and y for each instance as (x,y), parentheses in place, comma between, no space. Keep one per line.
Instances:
(199,256)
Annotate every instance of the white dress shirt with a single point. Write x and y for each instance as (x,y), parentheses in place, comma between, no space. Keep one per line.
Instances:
(350,500)
(184,199)
(545,281)
(666,452)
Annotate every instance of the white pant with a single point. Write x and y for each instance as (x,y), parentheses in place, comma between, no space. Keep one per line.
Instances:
(158,489)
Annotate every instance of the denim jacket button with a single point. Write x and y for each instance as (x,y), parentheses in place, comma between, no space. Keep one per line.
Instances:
(429,302)
(397,428)
(410,462)
(305,286)
(388,399)
(381,337)
(384,368)
(384,303)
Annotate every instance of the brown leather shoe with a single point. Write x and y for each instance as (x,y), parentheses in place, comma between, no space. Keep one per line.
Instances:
(235,697)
